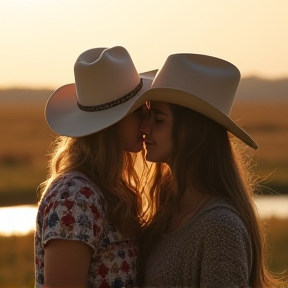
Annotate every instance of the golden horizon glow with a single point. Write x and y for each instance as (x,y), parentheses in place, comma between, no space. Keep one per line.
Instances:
(268,206)
(42,39)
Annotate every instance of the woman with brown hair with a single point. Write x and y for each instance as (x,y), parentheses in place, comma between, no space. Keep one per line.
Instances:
(90,211)
(204,230)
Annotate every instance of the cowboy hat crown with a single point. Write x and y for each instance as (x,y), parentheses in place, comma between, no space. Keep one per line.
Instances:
(101,75)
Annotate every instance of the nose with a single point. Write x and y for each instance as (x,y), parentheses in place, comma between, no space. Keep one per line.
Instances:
(145,127)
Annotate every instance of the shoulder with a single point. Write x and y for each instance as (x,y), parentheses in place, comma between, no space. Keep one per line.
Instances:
(73,184)
(219,215)
(72,209)
(73,189)
(221,227)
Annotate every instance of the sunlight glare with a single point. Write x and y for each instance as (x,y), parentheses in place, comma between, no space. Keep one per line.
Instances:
(17,220)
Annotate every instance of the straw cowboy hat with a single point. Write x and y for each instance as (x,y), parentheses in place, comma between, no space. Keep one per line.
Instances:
(203,83)
(105,89)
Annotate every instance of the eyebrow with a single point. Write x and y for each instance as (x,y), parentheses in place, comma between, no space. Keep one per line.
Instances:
(159,111)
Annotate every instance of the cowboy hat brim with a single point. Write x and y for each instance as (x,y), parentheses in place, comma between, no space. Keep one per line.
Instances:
(65,118)
(179,97)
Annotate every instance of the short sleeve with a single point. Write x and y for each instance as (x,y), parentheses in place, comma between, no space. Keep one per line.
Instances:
(74,211)
(227,252)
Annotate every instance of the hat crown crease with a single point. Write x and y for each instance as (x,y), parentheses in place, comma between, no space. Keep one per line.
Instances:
(211,79)
(102,77)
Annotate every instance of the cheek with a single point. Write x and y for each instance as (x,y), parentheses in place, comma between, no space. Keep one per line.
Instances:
(167,141)
(161,151)
(130,123)
(164,135)
(168,135)
(134,124)
(129,133)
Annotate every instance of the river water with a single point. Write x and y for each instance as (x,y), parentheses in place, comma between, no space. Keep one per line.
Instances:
(20,220)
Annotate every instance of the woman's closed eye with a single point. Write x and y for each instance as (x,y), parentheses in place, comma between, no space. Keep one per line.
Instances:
(158,115)
(158,119)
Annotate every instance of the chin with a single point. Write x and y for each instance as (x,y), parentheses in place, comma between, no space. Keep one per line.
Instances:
(154,159)
(135,149)
(150,158)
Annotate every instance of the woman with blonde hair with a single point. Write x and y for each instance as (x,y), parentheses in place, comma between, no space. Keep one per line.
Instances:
(204,230)
(90,211)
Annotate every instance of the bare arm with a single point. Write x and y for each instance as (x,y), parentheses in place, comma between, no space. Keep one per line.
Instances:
(66,264)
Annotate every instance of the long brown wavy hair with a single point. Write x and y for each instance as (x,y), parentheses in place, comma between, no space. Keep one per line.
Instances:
(203,156)
(103,160)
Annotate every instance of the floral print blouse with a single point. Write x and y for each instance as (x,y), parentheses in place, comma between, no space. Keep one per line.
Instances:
(73,209)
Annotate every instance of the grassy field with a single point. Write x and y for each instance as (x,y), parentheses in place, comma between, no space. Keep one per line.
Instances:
(267,123)
(17,260)
(23,157)
(23,154)
(26,138)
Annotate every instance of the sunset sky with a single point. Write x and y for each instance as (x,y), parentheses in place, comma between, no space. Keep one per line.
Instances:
(41,39)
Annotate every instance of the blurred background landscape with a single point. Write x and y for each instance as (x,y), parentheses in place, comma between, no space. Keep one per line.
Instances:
(41,41)
(261,108)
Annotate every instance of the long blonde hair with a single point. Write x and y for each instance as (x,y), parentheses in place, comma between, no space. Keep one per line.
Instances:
(101,157)
(201,148)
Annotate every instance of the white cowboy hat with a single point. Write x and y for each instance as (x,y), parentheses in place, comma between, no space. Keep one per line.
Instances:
(203,83)
(105,89)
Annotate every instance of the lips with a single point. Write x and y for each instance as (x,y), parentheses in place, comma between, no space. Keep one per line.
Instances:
(140,138)
(149,142)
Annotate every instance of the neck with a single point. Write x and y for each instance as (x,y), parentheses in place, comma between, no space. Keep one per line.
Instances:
(189,201)
(189,204)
